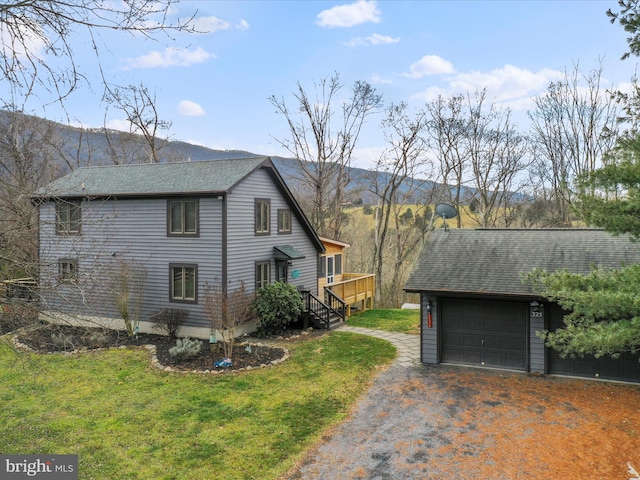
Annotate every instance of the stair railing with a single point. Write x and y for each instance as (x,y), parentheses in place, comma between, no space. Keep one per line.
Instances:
(335,303)
(314,307)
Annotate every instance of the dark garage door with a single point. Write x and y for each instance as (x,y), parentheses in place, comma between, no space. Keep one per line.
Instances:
(485,333)
(626,368)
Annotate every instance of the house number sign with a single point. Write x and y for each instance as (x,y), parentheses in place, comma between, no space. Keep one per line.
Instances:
(537,314)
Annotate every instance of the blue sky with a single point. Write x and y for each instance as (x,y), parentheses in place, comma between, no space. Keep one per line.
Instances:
(214,87)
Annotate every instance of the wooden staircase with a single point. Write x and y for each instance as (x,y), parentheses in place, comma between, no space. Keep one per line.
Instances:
(327,314)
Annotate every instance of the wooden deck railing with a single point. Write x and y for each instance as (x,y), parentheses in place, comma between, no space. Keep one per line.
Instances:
(354,288)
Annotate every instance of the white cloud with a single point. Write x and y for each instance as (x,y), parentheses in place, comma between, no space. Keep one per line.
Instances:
(196,142)
(23,42)
(508,82)
(511,86)
(121,125)
(208,25)
(375,39)
(430,65)
(190,109)
(431,94)
(170,57)
(349,15)
(378,80)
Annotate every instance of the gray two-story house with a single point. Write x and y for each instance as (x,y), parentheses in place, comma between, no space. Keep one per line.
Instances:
(179,227)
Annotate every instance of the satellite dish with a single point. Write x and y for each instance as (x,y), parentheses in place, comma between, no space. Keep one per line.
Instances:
(445,211)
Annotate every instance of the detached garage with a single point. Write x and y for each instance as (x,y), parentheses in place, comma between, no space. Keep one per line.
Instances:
(476,310)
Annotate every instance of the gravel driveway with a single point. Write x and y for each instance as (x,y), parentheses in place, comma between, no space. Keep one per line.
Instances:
(446,422)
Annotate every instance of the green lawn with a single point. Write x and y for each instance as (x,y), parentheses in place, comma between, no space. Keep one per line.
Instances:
(401,321)
(129,421)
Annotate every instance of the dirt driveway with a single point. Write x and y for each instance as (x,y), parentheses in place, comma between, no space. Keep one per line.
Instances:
(445,422)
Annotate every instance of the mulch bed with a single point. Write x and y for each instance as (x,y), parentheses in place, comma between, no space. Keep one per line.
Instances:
(64,338)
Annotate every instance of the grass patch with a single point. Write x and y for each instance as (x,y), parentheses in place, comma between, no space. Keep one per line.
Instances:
(129,421)
(391,320)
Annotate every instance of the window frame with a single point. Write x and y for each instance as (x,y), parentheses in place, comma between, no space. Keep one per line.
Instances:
(284,213)
(337,264)
(183,299)
(182,232)
(259,214)
(67,270)
(260,280)
(63,227)
(322,266)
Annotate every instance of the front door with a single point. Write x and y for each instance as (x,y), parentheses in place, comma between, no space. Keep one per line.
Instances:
(282,271)
(330,270)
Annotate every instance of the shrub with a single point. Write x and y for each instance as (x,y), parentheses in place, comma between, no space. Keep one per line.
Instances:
(186,348)
(98,339)
(62,340)
(169,321)
(277,305)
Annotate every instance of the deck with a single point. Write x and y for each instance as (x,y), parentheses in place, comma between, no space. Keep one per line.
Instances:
(355,288)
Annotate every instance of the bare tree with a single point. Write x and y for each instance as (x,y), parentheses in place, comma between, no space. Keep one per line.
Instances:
(396,185)
(25,165)
(479,152)
(447,129)
(227,311)
(573,128)
(325,153)
(35,32)
(496,153)
(128,287)
(139,105)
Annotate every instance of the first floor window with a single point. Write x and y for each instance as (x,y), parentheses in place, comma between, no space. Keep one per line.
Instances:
(68,269)
(184,283)
(263,274)
(68,218)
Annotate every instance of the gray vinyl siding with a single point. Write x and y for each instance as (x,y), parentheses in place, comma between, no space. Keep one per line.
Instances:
(536,345)
(429,345)
(245,248)
(134,231)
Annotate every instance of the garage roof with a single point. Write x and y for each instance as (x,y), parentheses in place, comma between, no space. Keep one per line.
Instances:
(490,261)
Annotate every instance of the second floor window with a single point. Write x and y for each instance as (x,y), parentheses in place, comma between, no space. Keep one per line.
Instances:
(263,216)
(183,217)
(68,218)
(284,221)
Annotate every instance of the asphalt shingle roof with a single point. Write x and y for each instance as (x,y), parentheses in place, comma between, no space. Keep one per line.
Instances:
(490,261)
(152,179)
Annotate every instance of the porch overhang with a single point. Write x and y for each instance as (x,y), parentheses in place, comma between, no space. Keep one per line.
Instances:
(287,252)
